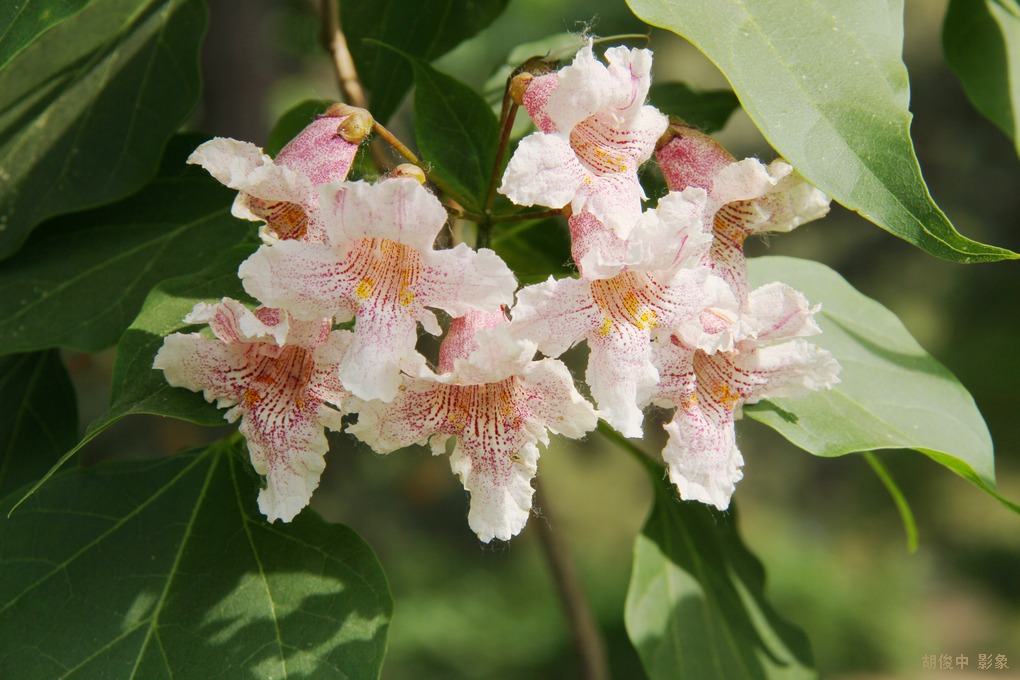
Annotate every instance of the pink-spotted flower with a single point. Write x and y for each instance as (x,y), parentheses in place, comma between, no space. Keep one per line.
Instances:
(279,376)
(283,192)
(594,132)
(497,403)
(380,269)
(744,197)
(708,390)
(619,316)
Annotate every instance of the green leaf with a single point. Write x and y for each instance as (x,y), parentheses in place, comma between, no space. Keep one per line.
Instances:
(707,110)
(22,21)
(426,29)
(456,132)
(166,569)
(137,387)
(87,108)
(38,417)
(892,394)
(981,39)
(696,605)
(825,84)
(115,254)
(535,250)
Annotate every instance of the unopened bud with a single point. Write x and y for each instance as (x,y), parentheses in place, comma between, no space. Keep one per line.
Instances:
(409,170)
(518,86)
(356,126)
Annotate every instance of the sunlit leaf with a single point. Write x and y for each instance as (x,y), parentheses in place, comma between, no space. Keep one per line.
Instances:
(981,39)
(826,85)
(38,417)
(166,569)
(426,29)
(86,109)
(892,394)
(81,279)
(707,110)
(696,607)
(22,21)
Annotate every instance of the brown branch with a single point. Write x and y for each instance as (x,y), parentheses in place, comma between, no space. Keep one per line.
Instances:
(588,643)
(343,64)
(334,42)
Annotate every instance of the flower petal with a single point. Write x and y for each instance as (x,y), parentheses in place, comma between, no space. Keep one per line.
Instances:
(555,315)
(496,468)
(621,376)
(461,279)
(544,170)
(399,209)
(701,456)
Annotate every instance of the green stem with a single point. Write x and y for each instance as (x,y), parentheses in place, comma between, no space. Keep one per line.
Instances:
(410,156)
(521,217)
(506,120)
(909,525)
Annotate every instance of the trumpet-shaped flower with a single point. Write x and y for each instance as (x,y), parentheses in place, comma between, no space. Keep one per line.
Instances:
(708,391)
(380,269)
(278,375)
(594,132)
(497,403)
(618,317)
(283,192)
(744,197)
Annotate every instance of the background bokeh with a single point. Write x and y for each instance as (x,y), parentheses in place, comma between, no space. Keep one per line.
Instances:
(826,529)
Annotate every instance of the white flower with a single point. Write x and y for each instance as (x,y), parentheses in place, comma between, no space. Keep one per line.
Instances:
(708,390)
(379,268)
(618,317)
(744,197)
(594,133)
(497,403)
(284,193)
(279,376)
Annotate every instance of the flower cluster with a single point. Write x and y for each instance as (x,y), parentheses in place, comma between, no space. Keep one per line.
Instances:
(662,300)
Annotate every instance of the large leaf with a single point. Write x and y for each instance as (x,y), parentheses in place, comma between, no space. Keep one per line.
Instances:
(825,83)
(696,607)
(166,569)
(87,108)
(707,110)
(426,29)
(38,417)
(21,21)
(81,279)
(456,132)
(892,394)
(137,387)
(981,39)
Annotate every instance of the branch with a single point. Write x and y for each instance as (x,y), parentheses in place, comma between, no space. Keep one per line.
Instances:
(334,42)
(588,643)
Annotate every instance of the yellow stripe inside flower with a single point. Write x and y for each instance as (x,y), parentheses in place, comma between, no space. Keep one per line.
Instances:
(626,298)
(286,220)
(387,270)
